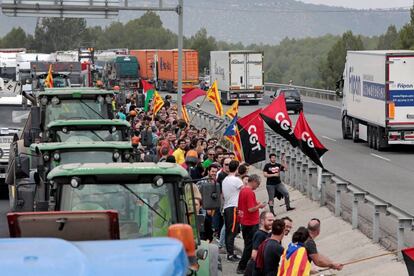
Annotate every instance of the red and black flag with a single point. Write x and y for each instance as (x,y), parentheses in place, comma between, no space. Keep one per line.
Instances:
(308,142)
(408,255)
(252,136)
(276,117)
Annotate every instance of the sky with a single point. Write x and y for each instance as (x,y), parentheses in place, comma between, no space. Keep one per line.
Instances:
(363,4)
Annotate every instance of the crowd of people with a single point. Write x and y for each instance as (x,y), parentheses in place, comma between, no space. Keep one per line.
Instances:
(232,207)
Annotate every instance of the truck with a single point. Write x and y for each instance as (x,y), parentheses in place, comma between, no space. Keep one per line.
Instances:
(378,98)
(65,74)
(162,67)
(122,71)
(14,112)
(239,75)
(24,69)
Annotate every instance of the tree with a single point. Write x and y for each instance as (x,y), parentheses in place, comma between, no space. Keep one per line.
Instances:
(332,69)
(53,34)
(16,38)
(389,40)
(204,44)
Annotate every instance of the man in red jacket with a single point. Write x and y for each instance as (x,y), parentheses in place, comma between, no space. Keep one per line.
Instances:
(248,209)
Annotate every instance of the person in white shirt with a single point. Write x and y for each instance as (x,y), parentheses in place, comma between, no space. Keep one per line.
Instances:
(230,189)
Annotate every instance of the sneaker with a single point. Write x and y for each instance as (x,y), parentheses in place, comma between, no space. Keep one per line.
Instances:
(240,271)
(290,209)
(233,258)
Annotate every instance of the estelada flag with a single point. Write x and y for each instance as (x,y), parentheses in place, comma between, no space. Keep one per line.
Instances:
(185,114)
(158,102)
(408,255)
(307,141)
(294,262)
(233,136)
(49,78)
(233,109)
(214,97)
(276,117)
(252,137)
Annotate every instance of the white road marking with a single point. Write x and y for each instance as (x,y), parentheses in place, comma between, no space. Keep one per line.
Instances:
(380,157)
(329,138)
(330,105)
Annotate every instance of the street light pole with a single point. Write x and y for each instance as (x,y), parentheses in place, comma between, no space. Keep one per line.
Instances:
(180,11)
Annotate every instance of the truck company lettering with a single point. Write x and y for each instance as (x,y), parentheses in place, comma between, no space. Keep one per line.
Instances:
(308,139)
(254,138)
(405,86)
(236,61)
(373,90)
(219,71)
(257,62)
(355,84)
(281,120)
(164,65)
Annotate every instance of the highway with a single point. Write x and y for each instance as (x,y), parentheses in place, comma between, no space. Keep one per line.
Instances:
(388,175)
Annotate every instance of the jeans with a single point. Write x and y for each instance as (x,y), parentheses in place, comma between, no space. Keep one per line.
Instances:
(222,236)
(274,190)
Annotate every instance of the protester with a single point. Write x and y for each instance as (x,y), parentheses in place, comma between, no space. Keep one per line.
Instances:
(248,210)
(274,186)
(294,260)
(231,188)
(179,153)
(288,224)
(314,228)
(273,249)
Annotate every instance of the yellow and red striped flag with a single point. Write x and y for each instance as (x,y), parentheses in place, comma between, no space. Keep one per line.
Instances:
(185,115)
(237,149)
(214,97)
(294,262)
(158,102)
(49,78)
(233,110)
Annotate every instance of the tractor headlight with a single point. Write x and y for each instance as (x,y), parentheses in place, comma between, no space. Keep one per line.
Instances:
(75,182)
(55,101)
(56,156)
(46,157)
(116,156)
(43,100)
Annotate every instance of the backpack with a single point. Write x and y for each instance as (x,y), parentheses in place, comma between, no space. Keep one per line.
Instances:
(260,256)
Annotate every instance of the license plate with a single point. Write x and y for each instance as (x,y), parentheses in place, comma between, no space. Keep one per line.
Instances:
(250,95)
(290,100)
(2,175)
(6,140)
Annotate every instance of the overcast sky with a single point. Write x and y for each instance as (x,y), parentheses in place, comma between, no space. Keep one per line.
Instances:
(363,4)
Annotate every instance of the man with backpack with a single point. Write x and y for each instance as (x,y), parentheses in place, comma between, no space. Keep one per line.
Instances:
(270,251)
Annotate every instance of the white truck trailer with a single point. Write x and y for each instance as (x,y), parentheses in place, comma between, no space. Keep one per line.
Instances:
(378,97)
(239,75)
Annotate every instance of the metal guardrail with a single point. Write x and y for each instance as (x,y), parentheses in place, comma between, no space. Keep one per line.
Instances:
(331,95)
(384,223)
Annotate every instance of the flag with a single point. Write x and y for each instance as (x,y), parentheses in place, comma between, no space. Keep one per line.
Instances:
(252,137)
(408,255)
(276,117)
(148,98)
(146,86)
(185,114)
(214,97)
(158,103)
(308,142)
(233,136)
(233,110)
(294,262)
(49,78)
(192,95)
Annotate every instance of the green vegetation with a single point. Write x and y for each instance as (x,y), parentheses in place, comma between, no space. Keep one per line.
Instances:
(316,62)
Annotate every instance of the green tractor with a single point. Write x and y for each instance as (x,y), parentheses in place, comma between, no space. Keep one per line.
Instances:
(30,191)
(52,105)
(148,198)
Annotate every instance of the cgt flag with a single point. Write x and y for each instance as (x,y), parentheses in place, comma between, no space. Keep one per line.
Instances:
(408,255)
(276,117)
(308,142)
(252,137)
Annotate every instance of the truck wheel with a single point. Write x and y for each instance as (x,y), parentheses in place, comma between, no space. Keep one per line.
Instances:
(345,132)
(369,136)
(374,138)
(355,131)
(382,142)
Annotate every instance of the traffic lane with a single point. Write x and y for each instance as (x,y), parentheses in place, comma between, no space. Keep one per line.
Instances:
(4,228)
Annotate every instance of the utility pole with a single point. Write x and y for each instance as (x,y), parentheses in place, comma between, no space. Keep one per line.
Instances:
(180,11)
